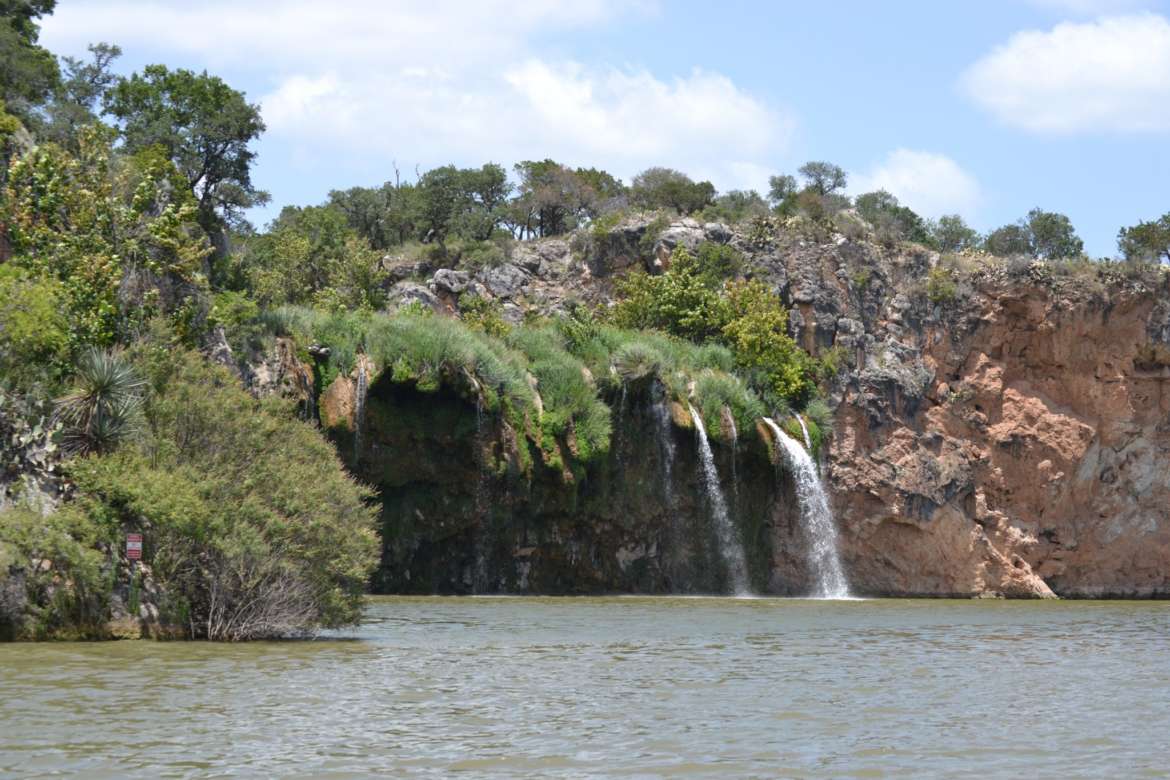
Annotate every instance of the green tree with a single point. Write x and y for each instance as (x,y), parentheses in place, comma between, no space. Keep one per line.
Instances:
(119,235)
(823,178)
(206,128)
(736,206)
(28,72)
(1053,236)
(757,333)
(551,199)
(951,234)
(781,189)
(79,96)
(892,221)
(312,256)
(666,188)
(34,331)
(1009,240)
(685,301)
(1146,242)
(253,529)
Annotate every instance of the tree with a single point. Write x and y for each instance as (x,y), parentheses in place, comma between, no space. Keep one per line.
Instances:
(1146,242)
(892,221)
(28,72)
(781,189)
(1053,236)
(736,206)
(205,127)
(666,188)
(121,236)
(1009,240)
(79,94)
(312,256)
(551,199)
(823,178)
(607,191)
(951,234)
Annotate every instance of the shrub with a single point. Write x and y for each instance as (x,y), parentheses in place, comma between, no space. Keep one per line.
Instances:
(51,579)
(757,334)
(34,331)
(683,301)
(484,315)
(102,410)
(251,526)
(940,285)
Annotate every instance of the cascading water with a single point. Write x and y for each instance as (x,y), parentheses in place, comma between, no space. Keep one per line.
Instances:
(661,414)
(361,388)
(804,430)
(729,545)
(816,516)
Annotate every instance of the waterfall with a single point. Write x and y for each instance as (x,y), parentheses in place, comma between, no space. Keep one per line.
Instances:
(665,449)
(804,430)
(823,558)
(729,545)
(361,388)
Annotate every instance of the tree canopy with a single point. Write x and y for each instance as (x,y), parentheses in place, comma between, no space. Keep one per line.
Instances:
(206,129)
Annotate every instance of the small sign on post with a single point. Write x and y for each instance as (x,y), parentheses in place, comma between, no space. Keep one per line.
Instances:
(134,547)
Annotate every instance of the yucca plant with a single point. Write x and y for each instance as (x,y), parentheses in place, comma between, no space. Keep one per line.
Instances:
(104,407)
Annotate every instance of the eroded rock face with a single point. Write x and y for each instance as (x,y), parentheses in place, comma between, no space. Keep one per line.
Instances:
(1012,439)
(1016,444)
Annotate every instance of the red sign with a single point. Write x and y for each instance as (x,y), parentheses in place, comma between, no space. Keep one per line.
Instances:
(134,547)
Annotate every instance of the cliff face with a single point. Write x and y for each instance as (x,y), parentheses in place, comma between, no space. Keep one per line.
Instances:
(463,513)
(1036,458)
(1006,432)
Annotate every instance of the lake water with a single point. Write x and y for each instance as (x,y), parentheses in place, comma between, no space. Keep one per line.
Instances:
(616,687)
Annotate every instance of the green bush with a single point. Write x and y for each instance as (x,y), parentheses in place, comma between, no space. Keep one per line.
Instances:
(51,580)
(34,331)
(252,528)
(940,285)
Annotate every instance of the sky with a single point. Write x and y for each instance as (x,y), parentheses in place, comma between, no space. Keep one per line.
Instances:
(987,108)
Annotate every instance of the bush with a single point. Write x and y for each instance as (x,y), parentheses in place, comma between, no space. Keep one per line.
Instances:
(757,334)
(685,301)
(940,285)
(34,332)
(252,528)
(51,579)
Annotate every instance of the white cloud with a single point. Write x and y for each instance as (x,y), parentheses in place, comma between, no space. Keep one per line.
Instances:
(441,81)
(1111,75)
(931,184)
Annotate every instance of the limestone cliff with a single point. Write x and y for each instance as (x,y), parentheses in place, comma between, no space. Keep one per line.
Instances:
(1000,429)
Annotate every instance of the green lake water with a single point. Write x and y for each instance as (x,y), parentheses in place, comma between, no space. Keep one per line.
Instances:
(616,687)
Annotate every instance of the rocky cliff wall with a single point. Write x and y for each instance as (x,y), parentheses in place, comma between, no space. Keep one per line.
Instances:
(1006,432)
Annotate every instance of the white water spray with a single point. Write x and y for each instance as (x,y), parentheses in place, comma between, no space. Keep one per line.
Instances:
(823,558)
(804,430)
(729,545)
(665,450)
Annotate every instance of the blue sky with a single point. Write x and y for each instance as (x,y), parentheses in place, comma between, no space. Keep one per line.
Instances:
(983,108)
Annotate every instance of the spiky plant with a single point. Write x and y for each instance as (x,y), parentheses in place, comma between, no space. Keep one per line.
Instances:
(103,408)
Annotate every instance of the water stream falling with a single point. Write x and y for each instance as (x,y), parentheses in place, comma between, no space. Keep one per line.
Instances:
(665,450)
(361,389)
(824,561)
(804,430)
(729,545)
